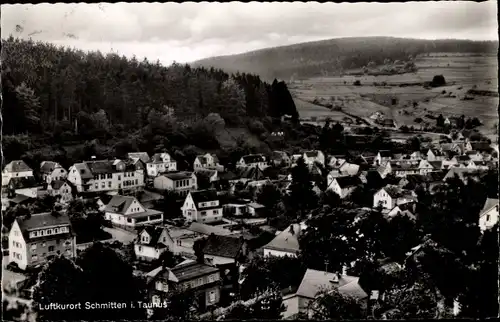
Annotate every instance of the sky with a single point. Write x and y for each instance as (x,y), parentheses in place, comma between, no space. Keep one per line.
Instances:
(185,32)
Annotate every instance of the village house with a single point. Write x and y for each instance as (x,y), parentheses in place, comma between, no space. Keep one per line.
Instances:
(252,160)
(435,155)
(181,182)
(425,167)
(210,175)
(285,243)
(384,170)
(224,249)
(427,181)
(383,156)
(475,155)
(201,278)
(281,158)
(402,168)
(253,173)
(392,196)
(126,212)
(451,148)
(343,186)
(406,209)
(462,173)
(16,169)
(107,176)
(488,217)
(311,157)
(27,186)
(51,171)
(160,163)
(62,189)
(313,283)
(202,206)
(143,156)
(460,159)
(348,168)
(207,161)
(151,242)
(36,239)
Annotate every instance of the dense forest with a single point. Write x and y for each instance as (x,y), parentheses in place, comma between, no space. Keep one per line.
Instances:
(337,55)
(55,98)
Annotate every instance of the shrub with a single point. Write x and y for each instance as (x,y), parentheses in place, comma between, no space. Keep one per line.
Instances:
(357,83)
(438,80)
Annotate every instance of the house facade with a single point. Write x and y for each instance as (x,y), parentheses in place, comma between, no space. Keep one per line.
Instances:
(16,169)
(343,186)
(107,176)
(206,161)
(51,171)
(127,213)
(151,242)
(180,182)
(425,167)
(311,157)
(489,214)
(392,196)
(61,189)
(202,206)
(160,163)
(34,240)
(202,279)
(252,160)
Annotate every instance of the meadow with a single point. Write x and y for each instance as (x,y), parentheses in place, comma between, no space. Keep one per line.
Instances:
(406,103)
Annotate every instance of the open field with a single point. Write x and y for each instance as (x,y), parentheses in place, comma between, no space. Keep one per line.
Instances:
(462,73)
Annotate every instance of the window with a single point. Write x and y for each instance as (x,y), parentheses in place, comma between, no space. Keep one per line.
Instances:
(212,203)
(210,278)
(103,176)
(44,244)
(212,297)
(33,246)
(200,281)
(203,213)
(119,177)
(49,232)
(136,181)
(110,176)
(96,186)
(216,212)
(487,217)
(159,285)
(34,257)
(140,248)
(35,233)
(51,248)
(103,185)
(109,184)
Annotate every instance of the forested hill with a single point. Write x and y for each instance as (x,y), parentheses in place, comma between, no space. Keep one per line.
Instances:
(65,96)
(335,55)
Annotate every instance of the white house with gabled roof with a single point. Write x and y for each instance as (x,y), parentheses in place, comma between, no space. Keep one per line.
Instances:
(160,163)
(202,206)
(128,213)
(489,214)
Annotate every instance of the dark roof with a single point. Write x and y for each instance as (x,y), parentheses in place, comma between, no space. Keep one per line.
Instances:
(385,153)
(205,173)
(312,154)
(224,246)
(17,166)
(436,164)
(481,146)
(143,156)
(254,158)
(154,232)
(156,158)
(57,184)
(101,166)
(204,195)
(84,170)
(396,192)
(180,175)
(42,220)
(254,173)
(228,175)
(23,182)
(18,198)
(348,181)
(49,166)
(119,204)
(192,270)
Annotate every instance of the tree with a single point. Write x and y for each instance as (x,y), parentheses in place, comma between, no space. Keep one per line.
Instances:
(438,80)
(60,281)
(181,305)
(410,302)
(269,196)
(270,307)
(87,220)
(18,211)
(440,121)
(262,272)
(327,242)
(332,305)
(109,279)
(302,197)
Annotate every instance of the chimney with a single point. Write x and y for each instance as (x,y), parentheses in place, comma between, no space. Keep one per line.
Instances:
(344,270)
(292,231)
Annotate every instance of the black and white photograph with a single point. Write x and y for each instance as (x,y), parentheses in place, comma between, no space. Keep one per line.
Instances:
(249,161)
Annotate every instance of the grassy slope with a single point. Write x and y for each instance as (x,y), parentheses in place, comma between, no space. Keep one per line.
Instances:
(461,71)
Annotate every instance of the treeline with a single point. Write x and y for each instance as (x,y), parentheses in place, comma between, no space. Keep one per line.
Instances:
(336,55)
(63,96)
